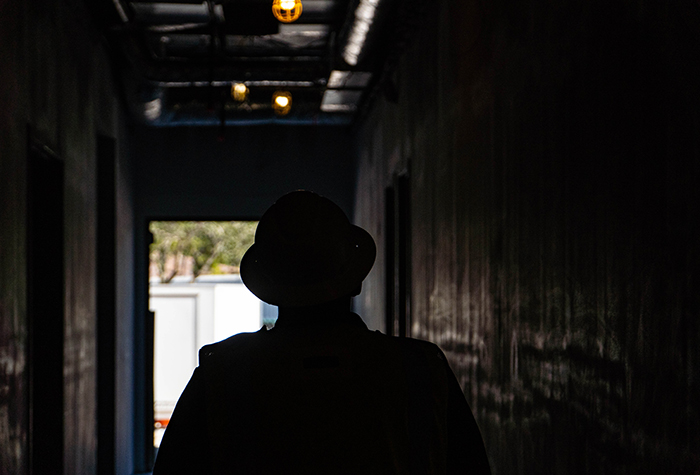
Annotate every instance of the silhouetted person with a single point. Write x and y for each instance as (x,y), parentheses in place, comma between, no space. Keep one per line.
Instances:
(319,393)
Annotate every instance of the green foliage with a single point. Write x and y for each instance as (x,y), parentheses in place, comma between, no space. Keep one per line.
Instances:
(210,246)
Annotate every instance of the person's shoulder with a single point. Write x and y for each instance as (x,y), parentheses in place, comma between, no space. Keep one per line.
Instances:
(420,351)
(414,343)
(231,344)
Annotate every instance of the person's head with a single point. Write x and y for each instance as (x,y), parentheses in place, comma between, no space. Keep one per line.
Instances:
(306,253)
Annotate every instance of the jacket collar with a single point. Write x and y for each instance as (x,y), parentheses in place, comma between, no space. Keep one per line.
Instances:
(331,320)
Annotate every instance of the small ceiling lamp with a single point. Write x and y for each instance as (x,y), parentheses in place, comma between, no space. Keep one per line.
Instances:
(286,11)
(239,92)
(281,102)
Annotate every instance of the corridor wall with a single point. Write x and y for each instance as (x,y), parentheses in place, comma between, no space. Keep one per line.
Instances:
(552,155)
(57,96)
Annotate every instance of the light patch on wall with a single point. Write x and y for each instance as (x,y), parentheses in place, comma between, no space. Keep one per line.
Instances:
(153,109)
(364,17)
(340,100)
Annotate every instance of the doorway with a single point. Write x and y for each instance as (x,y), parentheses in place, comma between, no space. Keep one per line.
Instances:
(196,297)
(45,308)
(397,256)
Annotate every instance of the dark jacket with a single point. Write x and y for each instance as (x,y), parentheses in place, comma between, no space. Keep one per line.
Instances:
(335,398)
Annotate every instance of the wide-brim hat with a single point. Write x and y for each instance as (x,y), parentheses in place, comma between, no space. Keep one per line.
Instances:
(306,252)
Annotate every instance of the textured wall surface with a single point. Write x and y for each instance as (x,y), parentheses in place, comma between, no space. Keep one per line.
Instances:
(55,79)
(553,152)
(13,390)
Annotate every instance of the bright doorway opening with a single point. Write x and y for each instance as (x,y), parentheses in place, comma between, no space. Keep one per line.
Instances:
(197,297)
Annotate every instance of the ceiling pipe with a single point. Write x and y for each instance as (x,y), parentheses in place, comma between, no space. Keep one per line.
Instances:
(178,118)
(121,11)
(153,105)
(315,11)
(150,102)
(175,13)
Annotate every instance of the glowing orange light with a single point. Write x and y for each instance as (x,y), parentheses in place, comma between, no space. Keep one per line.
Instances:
(239,92)
(286,11)
(281,102)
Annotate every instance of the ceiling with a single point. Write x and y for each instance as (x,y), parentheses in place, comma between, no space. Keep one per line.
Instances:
(177,61)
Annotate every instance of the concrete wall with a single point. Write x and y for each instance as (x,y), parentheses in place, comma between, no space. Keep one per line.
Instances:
(13,388)
(553,153)
(55,80)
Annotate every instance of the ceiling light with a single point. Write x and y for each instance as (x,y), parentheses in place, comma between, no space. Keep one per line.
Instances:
(335,100)
(339,79)
(286,11)
(364,17)
(304,29)
(281,102)
(239,91)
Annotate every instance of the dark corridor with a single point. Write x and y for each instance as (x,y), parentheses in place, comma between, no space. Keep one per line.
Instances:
(528,170)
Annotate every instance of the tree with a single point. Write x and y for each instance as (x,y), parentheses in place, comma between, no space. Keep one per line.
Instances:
(207,245)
